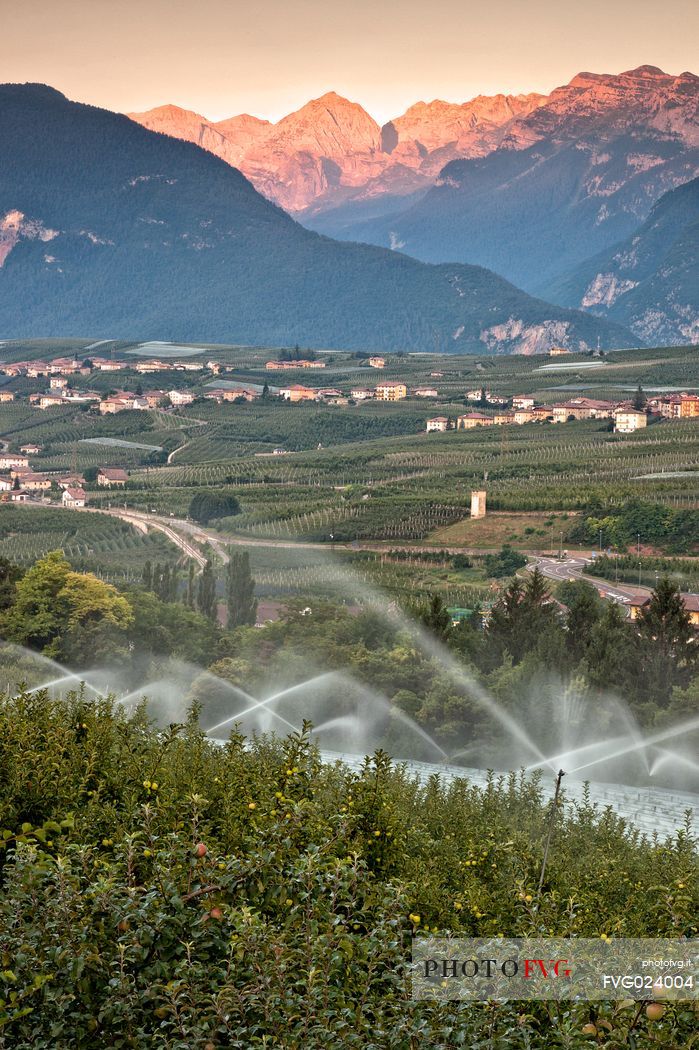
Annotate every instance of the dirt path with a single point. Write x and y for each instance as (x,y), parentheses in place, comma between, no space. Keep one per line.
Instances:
(180,448)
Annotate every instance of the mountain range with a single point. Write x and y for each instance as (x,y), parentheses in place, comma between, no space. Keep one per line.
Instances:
(530,186)
(575,176)
(331,150)
(649,281)
(110,230)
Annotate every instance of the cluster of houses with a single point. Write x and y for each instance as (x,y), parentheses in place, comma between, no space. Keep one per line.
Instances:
(285,366)
(278,366)
(60,394)
(232,394)
(19,482)
(675,406)
(126,401)
(489,408)
(67,366)
(121,401)
(387,391)
(523,409)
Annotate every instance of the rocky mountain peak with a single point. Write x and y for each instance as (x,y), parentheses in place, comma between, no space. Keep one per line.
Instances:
(331,124)
(646,71)
(331,150)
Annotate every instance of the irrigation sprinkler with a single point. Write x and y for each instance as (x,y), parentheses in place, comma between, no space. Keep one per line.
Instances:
(552,818)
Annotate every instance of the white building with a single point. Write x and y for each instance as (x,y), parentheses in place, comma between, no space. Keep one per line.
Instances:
(628,420)
(180,397)
(438,423)
(73,497)
(522,401)
(11,459)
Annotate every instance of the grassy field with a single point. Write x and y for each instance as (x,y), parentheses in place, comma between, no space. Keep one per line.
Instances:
(519,530)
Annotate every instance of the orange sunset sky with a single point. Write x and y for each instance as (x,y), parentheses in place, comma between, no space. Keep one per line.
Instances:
(222,57)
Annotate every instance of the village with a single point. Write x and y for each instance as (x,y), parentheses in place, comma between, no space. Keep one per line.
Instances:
(19,482)
(59,389)
(628,416)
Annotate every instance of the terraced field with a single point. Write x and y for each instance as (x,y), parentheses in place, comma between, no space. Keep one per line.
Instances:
(92,542)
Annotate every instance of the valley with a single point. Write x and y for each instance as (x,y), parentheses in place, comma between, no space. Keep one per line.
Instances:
(349,526)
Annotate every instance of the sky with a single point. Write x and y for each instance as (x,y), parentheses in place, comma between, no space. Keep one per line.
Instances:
(224,57)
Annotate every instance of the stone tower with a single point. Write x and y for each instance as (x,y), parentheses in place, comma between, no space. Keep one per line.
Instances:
(478,504)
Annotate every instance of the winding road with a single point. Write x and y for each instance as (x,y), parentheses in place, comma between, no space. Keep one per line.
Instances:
(572,568)
(190,537)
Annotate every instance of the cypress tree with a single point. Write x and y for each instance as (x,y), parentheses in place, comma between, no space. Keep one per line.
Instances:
(173,584)
(240,591)
(206,592)
(190,593)
(639,400)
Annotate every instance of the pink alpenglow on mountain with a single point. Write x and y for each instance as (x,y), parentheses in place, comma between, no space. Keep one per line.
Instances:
(328,143)
(228,139)
(434,125)
(332,148)
(639,98)
(332,152)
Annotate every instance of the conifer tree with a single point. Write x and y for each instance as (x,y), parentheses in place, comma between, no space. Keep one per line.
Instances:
(190,593)
(667,641)
(436,617)
(206,592)
(639,399)
(240,591)
(584,610)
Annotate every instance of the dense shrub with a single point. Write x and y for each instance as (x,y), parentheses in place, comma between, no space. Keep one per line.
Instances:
(504,563)
(159,890)
(625,524)
(208,506)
